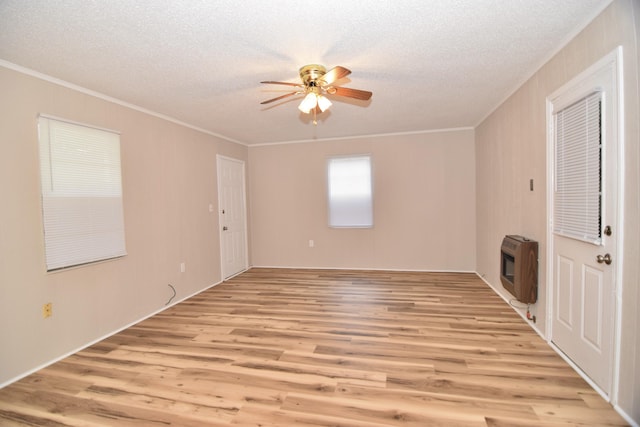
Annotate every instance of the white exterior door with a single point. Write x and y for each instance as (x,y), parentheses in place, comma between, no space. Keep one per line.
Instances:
(232,215)
(584,257)
(583,319)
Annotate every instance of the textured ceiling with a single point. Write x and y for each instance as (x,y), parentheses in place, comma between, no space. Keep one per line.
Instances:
(431,64)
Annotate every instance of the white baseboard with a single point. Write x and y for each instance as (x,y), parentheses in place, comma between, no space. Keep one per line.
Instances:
(361,268)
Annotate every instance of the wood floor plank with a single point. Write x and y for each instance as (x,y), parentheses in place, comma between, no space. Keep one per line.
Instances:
(305,347)
(384,411)
(444,402)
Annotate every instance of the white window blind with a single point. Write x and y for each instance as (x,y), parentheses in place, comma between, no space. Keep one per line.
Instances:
(577,204)
(350,192)
(81,193)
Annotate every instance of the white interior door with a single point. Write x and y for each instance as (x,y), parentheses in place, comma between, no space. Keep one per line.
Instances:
(584,239)
(232,214)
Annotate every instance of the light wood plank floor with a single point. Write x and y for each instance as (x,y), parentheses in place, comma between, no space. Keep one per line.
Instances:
(317,348)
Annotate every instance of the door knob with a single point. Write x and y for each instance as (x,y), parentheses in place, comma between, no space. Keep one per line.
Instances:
(225,229)
(606,258)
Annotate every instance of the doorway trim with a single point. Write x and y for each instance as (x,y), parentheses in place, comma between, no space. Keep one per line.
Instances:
(614,60)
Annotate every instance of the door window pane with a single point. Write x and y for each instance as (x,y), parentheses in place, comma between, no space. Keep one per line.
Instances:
(578,183)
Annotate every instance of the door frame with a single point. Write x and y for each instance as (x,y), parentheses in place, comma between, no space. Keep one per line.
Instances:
(613,59)
(219,159)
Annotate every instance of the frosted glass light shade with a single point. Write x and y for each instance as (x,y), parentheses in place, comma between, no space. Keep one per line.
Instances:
(308,103)
(323,103)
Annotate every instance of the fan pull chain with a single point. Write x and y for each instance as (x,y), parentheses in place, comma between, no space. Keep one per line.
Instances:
(315,122)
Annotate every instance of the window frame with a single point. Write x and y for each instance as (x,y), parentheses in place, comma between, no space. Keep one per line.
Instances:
(578,152)
(361,224)
(82,207)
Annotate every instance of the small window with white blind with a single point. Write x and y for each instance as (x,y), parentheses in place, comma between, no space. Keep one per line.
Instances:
(578,171)
(350,192)
(81,193)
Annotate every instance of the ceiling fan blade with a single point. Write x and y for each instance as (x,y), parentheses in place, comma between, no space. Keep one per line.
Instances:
(351,93)
(336,73)
(283,83)
(280,97)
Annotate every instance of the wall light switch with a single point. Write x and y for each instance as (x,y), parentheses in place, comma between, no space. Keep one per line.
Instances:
(311,243)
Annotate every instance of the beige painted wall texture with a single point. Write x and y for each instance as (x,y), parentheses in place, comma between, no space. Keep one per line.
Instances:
(169,180)
(424,204)
(511,150)
(442,201)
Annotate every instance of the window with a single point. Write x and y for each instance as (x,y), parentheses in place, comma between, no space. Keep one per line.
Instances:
(350,192)
(81,193)
(578,170)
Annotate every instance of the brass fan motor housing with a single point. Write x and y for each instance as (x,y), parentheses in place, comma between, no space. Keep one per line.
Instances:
(317,80)
(312,72)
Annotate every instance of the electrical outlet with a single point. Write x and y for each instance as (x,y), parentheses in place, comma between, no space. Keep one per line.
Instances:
(46,310)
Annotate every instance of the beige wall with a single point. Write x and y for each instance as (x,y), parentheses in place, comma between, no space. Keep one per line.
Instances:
(426,215)
(511,149)
(424,204)
(169,180)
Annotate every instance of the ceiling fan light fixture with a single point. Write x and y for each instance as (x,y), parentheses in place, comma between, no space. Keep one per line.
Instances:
(308,103)
(323,103)
(316,83)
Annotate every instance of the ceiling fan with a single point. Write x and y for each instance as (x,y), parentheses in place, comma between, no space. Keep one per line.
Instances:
(316,83)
